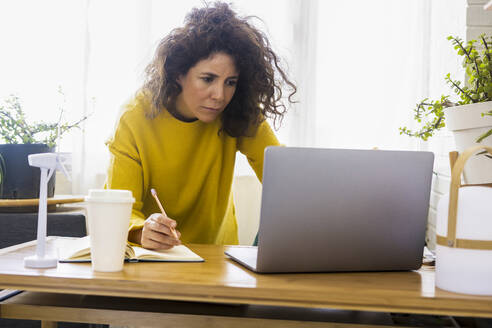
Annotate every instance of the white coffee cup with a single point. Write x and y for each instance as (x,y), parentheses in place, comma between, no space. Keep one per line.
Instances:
(109,213)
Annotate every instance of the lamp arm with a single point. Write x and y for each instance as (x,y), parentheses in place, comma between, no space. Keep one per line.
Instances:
(42,213)
(50,173)
(61,167)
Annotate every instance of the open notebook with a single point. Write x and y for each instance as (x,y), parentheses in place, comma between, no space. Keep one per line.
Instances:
(78,250)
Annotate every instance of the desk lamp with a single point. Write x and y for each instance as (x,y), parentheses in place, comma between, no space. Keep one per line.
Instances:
(48,163)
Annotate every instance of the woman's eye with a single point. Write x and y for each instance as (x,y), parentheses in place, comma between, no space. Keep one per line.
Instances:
(232,83)
(207,79)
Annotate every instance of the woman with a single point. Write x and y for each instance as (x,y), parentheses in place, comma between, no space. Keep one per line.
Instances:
(208,91)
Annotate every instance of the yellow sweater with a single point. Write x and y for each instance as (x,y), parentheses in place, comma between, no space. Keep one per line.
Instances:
(190,166)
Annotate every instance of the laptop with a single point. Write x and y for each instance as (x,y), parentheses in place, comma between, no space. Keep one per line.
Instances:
(328,210)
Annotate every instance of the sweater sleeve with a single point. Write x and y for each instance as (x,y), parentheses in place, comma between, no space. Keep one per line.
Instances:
(125,169)
(254,147)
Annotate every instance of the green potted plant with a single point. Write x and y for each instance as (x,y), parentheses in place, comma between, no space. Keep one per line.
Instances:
(20,138)
(470,117)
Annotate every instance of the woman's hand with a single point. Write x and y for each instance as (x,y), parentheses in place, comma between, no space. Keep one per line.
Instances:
(157,234)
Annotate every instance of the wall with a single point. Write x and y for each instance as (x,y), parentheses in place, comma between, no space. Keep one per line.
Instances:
(466,20)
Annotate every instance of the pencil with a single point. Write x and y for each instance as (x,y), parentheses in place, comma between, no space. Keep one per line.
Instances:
(154,193)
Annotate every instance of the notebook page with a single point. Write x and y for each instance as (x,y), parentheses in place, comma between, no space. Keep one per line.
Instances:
(177,253)
(73,248)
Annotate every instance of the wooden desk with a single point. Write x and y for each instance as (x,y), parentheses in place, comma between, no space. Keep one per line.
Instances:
(220,280)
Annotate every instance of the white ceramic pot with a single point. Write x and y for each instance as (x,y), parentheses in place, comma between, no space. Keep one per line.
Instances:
(467,124)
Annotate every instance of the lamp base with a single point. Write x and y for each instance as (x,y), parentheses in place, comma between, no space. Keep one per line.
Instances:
(37,262)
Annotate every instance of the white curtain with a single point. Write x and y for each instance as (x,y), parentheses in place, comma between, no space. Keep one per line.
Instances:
(360,66)
(371,71)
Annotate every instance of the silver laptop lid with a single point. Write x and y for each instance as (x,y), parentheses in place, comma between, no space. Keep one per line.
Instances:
(343,210)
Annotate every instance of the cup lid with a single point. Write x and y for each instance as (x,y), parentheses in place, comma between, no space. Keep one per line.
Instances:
(110,195)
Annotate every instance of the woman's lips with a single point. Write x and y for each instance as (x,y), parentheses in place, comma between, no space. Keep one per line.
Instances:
(211,109)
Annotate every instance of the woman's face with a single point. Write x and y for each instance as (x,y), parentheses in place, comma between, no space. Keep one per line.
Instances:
(207,88)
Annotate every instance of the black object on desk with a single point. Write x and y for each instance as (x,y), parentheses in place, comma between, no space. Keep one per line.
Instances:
(19,228)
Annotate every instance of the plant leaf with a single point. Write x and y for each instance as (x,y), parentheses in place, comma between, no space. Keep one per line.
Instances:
(485,135)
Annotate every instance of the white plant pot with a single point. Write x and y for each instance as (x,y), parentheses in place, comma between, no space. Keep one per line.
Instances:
(467,124)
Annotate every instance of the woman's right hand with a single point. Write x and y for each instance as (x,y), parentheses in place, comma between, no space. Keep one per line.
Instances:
(157,234)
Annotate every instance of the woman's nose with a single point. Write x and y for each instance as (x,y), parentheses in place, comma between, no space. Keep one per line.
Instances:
(218,93)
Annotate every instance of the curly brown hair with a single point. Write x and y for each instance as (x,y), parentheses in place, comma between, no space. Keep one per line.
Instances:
(209,30)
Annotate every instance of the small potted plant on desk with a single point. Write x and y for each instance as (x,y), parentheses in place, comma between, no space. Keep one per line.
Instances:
(18,180)
(470,117)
